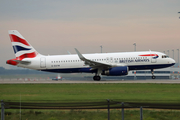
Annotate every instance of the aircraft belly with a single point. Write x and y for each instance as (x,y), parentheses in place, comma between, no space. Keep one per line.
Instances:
(70,70)
(150,66)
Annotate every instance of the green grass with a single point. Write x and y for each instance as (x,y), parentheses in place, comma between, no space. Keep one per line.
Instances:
(91,115)
(90,92)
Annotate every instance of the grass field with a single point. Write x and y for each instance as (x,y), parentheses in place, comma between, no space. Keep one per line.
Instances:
(91,92)
(92,115)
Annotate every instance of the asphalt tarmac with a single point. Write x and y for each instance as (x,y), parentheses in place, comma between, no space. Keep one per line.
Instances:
(38,81)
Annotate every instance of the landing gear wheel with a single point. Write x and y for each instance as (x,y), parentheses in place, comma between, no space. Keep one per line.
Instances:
(152,71)
(96,78)
(153,77)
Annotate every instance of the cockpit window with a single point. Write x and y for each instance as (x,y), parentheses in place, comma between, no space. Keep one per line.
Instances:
(165,56)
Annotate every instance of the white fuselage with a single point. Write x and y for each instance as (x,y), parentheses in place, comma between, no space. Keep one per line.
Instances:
(72,63)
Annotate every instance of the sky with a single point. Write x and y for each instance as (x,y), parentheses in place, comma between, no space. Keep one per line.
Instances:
(54,27)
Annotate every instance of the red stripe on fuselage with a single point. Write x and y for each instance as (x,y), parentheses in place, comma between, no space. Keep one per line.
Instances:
(149,55)
(15,38)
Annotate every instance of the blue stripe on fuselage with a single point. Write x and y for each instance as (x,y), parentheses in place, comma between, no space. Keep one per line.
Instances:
(145,67)
(87,70)
(71,70)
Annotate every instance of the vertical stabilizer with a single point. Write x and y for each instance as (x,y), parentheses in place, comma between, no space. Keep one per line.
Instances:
(22,48)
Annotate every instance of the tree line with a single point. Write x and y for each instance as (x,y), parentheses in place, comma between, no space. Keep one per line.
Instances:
(4,71)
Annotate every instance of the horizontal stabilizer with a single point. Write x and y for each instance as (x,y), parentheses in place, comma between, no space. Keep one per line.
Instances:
(15,62)
(23,62)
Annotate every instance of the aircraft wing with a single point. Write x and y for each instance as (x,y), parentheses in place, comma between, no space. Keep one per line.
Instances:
(94,64)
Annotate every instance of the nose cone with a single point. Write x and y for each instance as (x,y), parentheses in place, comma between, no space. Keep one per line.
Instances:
(172,61)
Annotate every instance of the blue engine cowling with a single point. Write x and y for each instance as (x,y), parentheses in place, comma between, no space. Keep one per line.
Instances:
(116,71)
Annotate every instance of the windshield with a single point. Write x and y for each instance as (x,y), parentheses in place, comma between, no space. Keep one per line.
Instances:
(165,56)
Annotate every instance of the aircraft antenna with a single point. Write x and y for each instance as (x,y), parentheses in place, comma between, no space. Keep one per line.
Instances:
(134,46)
(101,48)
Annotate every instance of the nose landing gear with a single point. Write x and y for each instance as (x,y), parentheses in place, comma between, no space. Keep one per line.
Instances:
(153,77)
(152,71)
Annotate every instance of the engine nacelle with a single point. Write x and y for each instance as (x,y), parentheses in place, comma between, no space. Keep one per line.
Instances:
(116,71)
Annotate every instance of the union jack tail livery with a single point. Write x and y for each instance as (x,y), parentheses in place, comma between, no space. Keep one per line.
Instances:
(22,49)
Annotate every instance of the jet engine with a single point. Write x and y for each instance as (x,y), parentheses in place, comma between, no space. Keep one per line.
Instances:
(116,71)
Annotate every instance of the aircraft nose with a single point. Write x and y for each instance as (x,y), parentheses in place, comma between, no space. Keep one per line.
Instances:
(173,61)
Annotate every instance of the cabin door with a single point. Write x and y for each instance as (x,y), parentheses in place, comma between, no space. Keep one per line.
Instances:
(153,59)
(43,62)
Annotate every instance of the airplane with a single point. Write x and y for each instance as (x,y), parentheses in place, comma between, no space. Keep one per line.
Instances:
(110,64)
(57,78)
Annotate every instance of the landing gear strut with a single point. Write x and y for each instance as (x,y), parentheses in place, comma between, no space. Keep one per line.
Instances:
(96,78)
(153,77)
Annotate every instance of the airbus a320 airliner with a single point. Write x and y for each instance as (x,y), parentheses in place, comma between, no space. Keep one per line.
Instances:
(110,64)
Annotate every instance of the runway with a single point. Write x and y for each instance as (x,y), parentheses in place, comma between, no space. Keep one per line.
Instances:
(38,81)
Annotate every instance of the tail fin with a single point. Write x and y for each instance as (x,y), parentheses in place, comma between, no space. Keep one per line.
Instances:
(22,49)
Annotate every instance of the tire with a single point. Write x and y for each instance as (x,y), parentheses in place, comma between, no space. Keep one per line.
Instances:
(153,77)
(96,78)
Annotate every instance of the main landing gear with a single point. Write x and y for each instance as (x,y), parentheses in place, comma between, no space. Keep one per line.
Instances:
(96,78)
(153,77)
